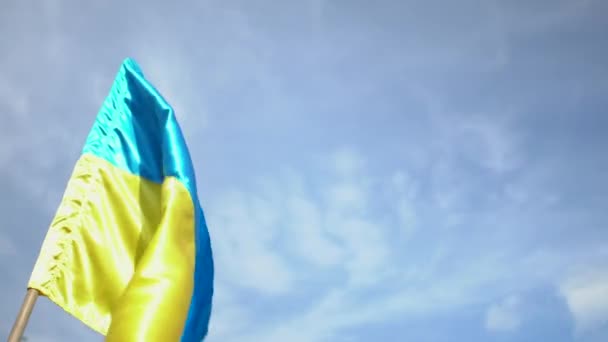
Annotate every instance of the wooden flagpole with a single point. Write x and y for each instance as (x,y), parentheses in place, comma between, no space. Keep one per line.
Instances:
(23,316)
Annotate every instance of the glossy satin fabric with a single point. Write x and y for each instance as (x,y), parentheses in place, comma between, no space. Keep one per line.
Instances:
(128,252)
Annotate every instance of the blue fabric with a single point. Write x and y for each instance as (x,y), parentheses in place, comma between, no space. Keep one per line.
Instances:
(148,142)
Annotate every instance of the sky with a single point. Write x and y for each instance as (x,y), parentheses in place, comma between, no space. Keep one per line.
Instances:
(425,171)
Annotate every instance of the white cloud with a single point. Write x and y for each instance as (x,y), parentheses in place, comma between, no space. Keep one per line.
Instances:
(404,184)
(274,242)
(308,234)
(345,307)
(346,196)
(400,180)
(404,190)
(259,233)
(347,162)
(384,279)
(587,297)
(229,318)
(262,235)
(243,244)
(405,210)
(491,142)
(483,135)
(504,316)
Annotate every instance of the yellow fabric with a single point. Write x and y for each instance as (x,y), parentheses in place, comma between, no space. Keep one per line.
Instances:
(119,253)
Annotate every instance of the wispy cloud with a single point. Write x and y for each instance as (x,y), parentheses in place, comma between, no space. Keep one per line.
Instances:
(360,166)
(587,297)
(245,253)
(504,316)
(324,229)
(374,271)
(378,272)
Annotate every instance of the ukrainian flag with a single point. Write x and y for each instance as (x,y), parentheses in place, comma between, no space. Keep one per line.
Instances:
(128,252)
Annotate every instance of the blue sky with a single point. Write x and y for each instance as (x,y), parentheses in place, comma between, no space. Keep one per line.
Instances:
(370,171)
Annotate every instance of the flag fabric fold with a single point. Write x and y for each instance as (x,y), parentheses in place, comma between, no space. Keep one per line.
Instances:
(128,252)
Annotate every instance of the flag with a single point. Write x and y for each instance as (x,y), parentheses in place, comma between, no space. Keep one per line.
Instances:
(128,252)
